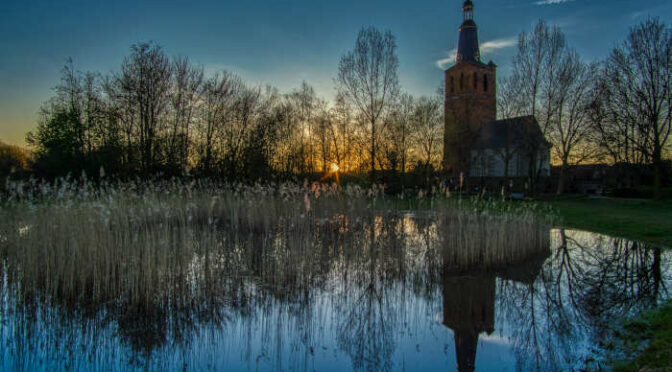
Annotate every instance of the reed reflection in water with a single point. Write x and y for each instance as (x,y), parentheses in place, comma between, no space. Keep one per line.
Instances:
(371,290)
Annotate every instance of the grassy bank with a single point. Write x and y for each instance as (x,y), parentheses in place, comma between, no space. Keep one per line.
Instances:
(643,220)
(645,343)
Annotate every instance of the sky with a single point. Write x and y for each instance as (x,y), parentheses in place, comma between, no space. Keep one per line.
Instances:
(280,43)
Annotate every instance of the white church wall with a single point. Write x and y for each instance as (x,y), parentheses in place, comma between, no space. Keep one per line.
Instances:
(490,163)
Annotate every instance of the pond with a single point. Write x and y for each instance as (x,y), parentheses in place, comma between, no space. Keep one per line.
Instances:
(378,292)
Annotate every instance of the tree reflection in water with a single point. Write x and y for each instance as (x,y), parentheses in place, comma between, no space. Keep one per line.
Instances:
(588,283)
(353,292)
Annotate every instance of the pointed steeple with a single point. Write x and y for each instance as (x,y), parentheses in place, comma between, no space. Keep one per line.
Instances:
(467,46)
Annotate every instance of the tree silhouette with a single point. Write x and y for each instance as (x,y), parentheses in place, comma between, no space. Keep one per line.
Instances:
(367,76)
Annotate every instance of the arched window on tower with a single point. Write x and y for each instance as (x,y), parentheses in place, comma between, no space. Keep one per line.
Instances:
(485,83)
(461,82)
(452,84)
(475,81)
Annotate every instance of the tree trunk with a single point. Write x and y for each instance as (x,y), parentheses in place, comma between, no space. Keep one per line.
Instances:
(373,151)
(561,179)
(657,170)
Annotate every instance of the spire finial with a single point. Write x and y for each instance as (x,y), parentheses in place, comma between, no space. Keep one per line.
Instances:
(468,9)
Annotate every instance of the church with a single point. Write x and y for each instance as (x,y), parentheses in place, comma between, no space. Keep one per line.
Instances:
(476,144)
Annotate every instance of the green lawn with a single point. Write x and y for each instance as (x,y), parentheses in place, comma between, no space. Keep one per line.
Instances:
(652,329)
(637,219)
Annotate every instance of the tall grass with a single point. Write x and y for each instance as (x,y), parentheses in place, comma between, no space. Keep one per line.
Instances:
(166,245)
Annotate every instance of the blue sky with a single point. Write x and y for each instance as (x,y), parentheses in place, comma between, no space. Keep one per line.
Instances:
(277,42)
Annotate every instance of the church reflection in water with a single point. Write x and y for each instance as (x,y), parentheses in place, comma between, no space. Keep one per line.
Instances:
(469,290)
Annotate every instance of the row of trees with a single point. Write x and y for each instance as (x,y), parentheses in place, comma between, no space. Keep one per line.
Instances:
(161,114)
(617,110)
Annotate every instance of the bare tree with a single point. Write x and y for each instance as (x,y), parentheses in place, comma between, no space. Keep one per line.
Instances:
(186,87)
(428,128)
(508,152)
(323,126)
(145,77)
(400,128)
(304,101)
(639,91)
(570,127)
(343,134)
(218,94)
(538,52)
(304,104)
(93,112)
(535,74)
(510,103)
(287,147)
(367,76)
(615,124)
(246,109)
(69,91)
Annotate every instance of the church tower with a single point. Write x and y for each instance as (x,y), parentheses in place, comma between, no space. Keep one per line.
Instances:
(470,99)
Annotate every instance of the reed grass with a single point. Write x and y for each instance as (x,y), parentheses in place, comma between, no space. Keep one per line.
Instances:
(157,246)
(144,264)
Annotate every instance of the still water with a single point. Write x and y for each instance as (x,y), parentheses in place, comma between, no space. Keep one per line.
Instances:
(395,293)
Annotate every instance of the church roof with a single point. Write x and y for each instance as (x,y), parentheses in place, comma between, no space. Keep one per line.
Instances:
(513,132)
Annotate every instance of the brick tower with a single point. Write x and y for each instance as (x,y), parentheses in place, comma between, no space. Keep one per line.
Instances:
(470,100)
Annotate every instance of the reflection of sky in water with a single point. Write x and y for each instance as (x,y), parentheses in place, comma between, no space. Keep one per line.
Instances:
(545,318)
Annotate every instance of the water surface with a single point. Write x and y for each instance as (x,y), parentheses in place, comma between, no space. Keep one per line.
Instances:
(385,293)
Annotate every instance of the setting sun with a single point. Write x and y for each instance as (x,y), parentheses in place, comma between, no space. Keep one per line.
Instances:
(334,167)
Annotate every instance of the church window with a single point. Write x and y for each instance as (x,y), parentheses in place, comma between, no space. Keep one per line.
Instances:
(452,84)
(475,80)
(461,81)
(485,83)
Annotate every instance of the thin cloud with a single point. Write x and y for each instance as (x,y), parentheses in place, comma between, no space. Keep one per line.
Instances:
(452,56)
(493,45)
(486,48)
(552,2)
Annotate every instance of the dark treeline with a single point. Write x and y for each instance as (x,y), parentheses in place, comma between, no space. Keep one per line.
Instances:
(163,115)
